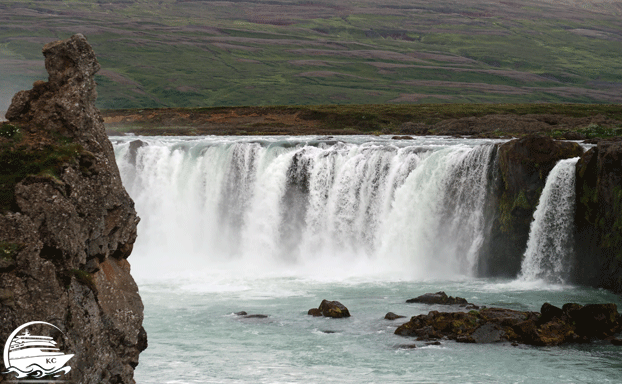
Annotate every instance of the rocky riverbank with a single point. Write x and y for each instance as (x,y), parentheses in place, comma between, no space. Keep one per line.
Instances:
(67,225)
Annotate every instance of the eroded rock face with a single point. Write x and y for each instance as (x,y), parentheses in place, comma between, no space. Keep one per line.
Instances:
(71,227)
(524,165)
(599,217)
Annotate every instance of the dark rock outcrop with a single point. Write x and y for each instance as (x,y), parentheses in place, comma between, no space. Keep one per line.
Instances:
(573,323)
(598,218)
(524,165)
(256,316)
(67,224)
(439,298)
(393,316)
(332,309)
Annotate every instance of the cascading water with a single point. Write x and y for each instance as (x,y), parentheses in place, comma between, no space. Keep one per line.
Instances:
(411,209)
(275,225)
(549,249)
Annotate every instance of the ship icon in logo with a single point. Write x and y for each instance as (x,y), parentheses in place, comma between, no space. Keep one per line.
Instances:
(34,356)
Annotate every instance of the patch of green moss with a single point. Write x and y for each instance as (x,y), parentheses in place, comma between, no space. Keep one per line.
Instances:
(588,197)
(598,131)
(85,278)
(9,250)
(10,131)
(612,236)
(20,161)
(507,204)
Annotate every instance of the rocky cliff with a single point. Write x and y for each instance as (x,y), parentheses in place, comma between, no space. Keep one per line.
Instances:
(523,166)
(598,218)
(67,225)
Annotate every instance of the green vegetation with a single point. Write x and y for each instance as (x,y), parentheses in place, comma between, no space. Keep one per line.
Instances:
(8,250)
(18,160)
(9,131)
(85,278)
(595,130)
(291,52)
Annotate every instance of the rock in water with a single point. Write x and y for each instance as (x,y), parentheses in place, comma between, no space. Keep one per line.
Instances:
(67,223)
(333,309)
(573,323)
(315,312)
(438,298)
(392,316)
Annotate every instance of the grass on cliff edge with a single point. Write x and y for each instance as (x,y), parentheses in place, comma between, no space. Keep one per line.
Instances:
(19,160)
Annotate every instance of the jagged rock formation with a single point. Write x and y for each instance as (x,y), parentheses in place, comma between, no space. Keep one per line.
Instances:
(598,218)
(524,165)
(67,225)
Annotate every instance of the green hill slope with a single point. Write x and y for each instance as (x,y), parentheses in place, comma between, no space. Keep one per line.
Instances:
(187,53)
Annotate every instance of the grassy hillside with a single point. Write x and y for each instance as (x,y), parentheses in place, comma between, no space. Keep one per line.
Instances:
(191,53)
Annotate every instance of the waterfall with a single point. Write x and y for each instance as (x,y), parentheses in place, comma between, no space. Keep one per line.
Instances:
(549,249)
(409,208)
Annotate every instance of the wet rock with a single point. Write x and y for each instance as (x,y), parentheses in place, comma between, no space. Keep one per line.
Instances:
(333,309)
(315,312)
(406,346)
(595,320)
(241,313)
(74,228)
(402,138)
(617,342)
(433,343)
(573,323)
(438,298)
(598,217)
(524,165)
(392,316)
(488,333)
(549,312)
(255,316)
(134,146)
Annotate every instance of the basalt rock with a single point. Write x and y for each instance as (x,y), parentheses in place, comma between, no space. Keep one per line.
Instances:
(439,298)
(256,316)
(315,312)
(572,324)
(598,217)
(332,309)
(524,165)
(393,316)
(67,224)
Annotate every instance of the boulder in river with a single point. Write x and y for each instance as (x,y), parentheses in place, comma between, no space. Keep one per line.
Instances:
(392,316)
(332,309)
(438,298)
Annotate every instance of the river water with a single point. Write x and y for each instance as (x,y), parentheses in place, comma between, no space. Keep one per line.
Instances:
(273,225)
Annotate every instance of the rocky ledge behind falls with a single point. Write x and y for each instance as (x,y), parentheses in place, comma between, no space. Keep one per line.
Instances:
(67,225)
